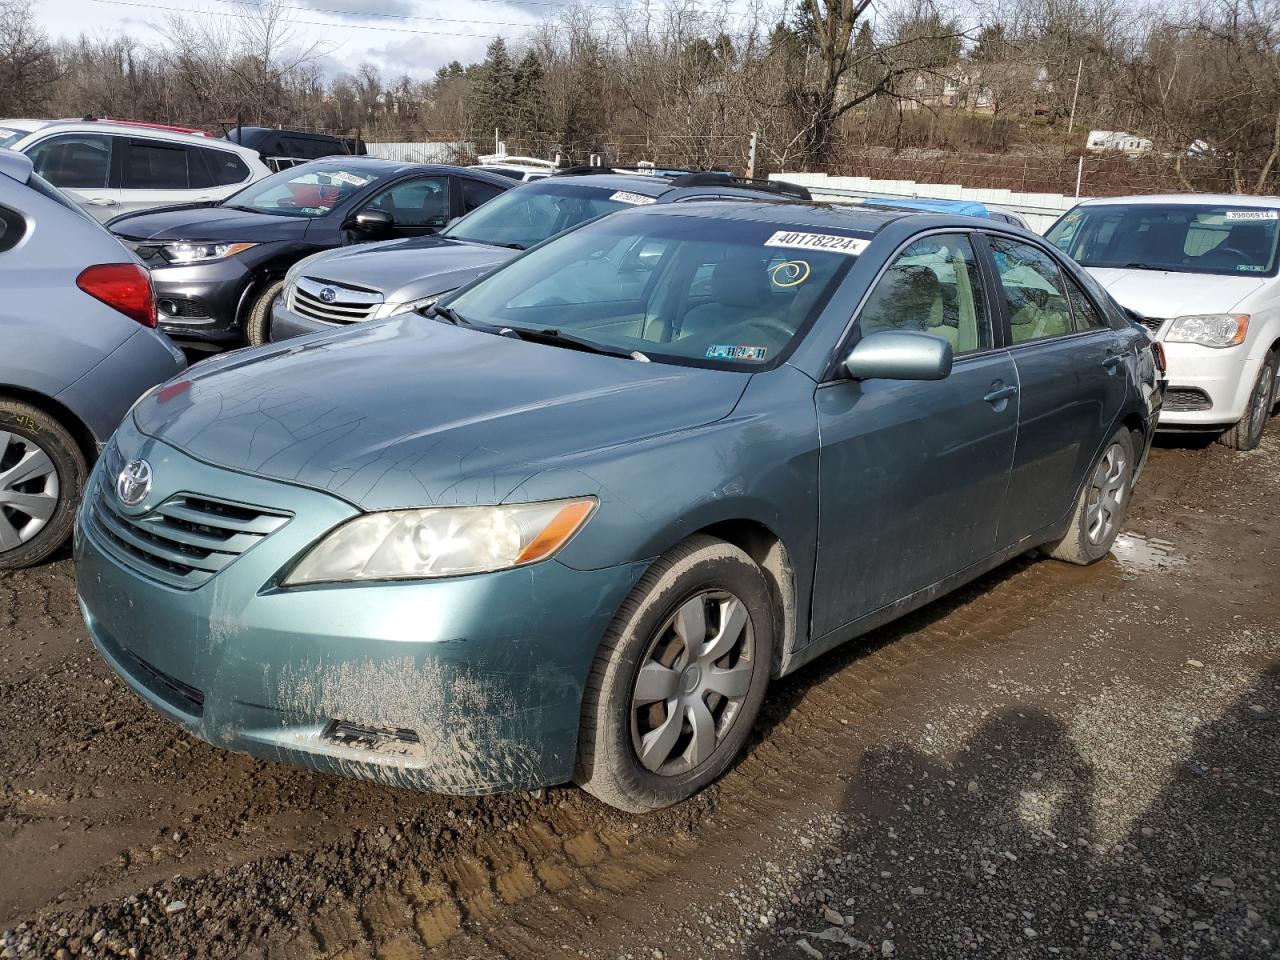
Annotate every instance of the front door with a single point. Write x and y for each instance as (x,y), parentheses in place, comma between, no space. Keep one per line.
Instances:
(1072,380)
(913,473)
(417,206)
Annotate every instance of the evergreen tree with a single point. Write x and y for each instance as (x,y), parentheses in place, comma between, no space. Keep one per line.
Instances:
(493,89)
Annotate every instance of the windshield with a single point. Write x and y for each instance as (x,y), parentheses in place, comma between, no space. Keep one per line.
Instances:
(301,191)
(685,289)
(1179,237)
(9,136)
(529,214)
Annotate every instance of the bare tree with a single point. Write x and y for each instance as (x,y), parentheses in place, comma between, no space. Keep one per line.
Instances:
(28,68)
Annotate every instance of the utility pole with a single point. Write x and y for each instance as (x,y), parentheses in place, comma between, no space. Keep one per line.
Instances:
(1071,122)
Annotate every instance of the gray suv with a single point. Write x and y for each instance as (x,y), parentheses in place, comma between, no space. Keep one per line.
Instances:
(377,280)
(77,348)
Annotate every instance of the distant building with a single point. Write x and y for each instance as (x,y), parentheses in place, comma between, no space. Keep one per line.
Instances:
(1117,141)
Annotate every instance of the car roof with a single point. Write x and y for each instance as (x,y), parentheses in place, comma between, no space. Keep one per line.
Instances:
(26,124)
(1186,200)
(644,184)
(799,213)
(152,132)
(351,161)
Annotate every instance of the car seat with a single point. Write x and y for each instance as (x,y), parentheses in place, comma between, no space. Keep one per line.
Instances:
(740,294)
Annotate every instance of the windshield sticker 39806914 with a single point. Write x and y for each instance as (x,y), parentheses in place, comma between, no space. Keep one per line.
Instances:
(725,351)
(1253,214)
(635,199)
(831,242)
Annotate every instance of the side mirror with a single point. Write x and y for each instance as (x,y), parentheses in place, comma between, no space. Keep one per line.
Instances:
(899,355)
(372,221)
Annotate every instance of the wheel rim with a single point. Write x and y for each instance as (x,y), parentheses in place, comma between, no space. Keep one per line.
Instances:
(692,682)
(1261,404)
(1107,492)
(29,490)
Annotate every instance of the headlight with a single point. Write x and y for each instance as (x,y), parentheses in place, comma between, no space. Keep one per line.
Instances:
(442,542)
(199,252)
(409,306)
(1209,329)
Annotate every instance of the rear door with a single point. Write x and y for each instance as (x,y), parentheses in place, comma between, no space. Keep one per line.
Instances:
(155,172)
(1071,377)
(913,473)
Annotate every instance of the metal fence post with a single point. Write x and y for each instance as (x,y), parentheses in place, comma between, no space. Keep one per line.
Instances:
(751,157)
(1079,174)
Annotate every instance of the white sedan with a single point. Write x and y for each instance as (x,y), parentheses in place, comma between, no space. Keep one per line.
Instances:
(1200,272)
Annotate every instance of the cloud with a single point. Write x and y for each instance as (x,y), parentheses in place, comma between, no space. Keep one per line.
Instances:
(359,9)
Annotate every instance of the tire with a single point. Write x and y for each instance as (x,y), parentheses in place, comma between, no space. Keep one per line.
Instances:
(42,476)
(1247,433)
(705,574)
(1102,506)
(257,322)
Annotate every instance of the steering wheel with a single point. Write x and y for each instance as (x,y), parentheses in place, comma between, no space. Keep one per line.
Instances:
(1239,255)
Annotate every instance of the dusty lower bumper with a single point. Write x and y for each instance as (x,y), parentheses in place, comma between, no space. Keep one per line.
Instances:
(472,685)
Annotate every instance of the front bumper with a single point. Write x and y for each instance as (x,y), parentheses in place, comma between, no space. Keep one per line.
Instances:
(201,302)
(1208,387)
(468,685)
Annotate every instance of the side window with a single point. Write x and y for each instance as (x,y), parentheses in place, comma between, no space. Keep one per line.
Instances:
(934,287)
(225,168)
(423,202)
(12,227)
(74,160)
(1033,288)
(1087,316)
(475,192)
(155,165)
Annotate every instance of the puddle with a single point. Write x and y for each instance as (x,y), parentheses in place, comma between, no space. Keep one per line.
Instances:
(1142,554)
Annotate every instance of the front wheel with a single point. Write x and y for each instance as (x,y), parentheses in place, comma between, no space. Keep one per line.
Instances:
(257,323)
(42,474)
(1247,433)
(1102,506)
(679,678)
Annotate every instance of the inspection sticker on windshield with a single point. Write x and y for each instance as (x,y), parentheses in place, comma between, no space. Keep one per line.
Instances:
(344,177)
(818,241)
(1253,214)
(726,351)
(636,199)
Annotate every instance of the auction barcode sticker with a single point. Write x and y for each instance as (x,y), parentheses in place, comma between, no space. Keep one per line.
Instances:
(636,199)
(833,242)
(1252,214)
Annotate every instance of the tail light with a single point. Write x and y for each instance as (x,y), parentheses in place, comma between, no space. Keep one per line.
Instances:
(123,286)
(1157,348)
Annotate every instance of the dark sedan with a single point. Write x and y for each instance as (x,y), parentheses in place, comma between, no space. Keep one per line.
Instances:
(217,267)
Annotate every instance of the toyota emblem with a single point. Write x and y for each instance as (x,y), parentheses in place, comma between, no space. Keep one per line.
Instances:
(328,294)
(134,482)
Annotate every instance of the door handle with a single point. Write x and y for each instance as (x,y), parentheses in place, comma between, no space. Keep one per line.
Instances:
(1000,393)
(1111,361)
(102,202)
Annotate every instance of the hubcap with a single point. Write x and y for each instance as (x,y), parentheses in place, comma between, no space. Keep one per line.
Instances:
(28,490)
(692,682)
(1107,493)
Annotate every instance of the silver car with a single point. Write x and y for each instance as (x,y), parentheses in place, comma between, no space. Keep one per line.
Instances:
(77,348)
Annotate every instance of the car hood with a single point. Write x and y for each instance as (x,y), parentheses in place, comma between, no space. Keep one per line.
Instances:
(407,269)
(412,412)
(1163,294)
(208,223)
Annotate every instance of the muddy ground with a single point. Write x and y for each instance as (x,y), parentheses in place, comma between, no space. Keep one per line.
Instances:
(1053,761)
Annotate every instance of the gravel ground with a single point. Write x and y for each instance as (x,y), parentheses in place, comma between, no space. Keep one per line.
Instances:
(1052,761)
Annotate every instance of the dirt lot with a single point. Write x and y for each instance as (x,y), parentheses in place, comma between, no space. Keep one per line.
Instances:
(1054,761)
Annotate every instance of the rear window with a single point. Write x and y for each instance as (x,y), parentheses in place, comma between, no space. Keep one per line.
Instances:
(225,168)
(155,165)
(1183,238)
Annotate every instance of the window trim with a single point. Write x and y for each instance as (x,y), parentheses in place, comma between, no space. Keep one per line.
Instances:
(977,242)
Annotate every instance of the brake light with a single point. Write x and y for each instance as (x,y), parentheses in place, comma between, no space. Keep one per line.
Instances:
(1157,348)
(123,286)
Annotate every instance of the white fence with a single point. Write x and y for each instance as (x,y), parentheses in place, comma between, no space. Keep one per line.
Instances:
(1039,209)
(438,151)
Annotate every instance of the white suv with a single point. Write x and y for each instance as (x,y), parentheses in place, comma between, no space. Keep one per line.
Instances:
(1199,270)
(112,167)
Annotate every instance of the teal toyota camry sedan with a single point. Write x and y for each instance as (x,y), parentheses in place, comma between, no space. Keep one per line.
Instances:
(568,524)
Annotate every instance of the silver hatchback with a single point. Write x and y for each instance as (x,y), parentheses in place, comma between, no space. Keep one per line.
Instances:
(77,348)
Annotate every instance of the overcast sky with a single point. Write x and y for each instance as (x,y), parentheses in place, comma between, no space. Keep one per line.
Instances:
(399,36)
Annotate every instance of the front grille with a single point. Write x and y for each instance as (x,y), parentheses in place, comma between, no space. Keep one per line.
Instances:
(182,542)
(331,302)
(188,698)
(1186,399)
(1151,323)
(148,253)
(183,308)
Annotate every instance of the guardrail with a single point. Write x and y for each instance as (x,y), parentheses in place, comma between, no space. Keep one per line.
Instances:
(1040,210)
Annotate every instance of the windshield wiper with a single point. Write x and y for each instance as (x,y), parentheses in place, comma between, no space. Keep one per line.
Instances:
(555,337)
(487,243)
(451,315)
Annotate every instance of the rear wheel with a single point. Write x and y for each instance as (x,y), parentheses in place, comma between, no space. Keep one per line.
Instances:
(1247,433)
(679,678)
(257,323)
(1102,506)
(42,474)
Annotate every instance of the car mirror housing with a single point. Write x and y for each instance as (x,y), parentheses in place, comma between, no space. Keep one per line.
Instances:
(899,355)
(371,221)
